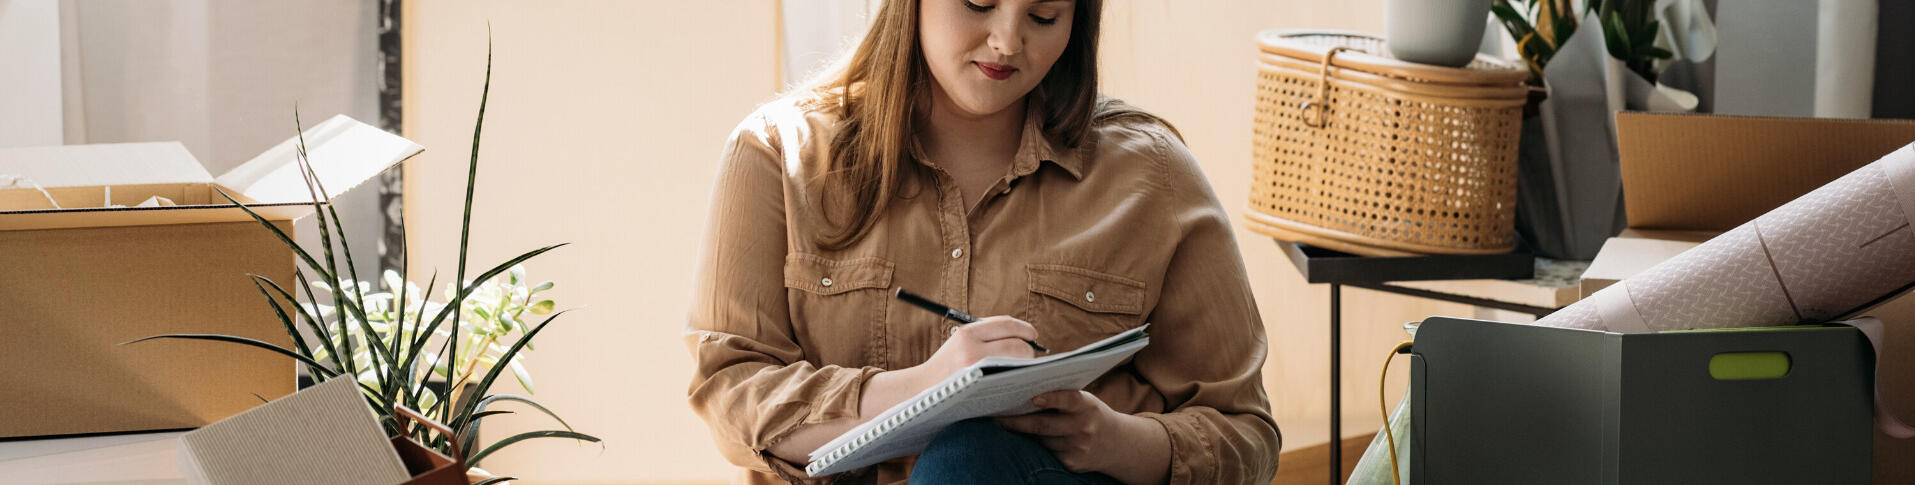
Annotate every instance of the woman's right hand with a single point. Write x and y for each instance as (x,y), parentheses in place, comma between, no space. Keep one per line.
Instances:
(999,335)
(993,336)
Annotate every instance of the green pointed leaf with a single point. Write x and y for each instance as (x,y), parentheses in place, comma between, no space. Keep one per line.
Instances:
(242,341)
(421,333)
(1616,35)
(471,438)
(299,340)
(482,414)
(525,378)
(495,398)
(465,222)
(322,205)
(508,441)
(283,237)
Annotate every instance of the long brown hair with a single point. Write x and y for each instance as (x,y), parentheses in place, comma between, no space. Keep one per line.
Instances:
(879,93)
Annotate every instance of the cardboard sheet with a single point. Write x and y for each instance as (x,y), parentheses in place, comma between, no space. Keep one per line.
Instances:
(323,435)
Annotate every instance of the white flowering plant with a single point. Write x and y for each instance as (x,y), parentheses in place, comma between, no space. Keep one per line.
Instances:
(490,318)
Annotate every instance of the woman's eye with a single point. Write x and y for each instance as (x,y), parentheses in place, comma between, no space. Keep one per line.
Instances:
(1044,21)
(977,8)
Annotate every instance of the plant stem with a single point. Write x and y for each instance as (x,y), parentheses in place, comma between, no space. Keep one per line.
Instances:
(469,368)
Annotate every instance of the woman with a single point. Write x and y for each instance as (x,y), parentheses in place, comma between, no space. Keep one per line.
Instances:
(962,152)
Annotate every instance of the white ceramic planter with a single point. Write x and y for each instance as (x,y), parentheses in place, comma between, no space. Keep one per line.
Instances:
(1438,32)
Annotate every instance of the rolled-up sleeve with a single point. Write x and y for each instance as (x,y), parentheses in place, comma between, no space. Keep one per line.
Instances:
(752,384)
(1208,347)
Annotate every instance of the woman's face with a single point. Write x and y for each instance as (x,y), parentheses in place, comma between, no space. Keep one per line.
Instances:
(987,54)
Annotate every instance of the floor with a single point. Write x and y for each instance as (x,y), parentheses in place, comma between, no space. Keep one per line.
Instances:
(1309,466)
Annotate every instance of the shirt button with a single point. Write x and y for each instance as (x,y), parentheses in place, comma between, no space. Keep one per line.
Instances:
(1088,296)
(826,281)
(957,253)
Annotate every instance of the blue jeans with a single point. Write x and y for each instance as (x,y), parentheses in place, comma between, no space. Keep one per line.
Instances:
(980,451)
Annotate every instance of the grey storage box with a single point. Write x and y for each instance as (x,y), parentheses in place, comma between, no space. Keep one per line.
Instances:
(1496,403)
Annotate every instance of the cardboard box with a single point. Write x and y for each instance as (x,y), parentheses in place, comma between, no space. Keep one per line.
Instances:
(78,277)
(1689,177)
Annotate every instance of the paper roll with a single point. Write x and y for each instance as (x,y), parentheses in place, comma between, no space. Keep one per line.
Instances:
(1819,258)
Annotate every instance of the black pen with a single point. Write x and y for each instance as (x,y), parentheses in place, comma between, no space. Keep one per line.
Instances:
(948,312)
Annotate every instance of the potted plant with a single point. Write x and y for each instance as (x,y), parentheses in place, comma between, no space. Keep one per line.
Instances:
(397,345)
(1541,27)
(1569,198)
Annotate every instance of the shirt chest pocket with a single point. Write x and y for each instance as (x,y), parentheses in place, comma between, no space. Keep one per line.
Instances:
(1072,306)
(837,307)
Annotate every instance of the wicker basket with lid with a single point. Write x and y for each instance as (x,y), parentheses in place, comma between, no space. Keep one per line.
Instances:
(1362,153)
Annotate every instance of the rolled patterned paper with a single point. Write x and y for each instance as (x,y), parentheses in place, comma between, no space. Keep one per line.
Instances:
(1827,255)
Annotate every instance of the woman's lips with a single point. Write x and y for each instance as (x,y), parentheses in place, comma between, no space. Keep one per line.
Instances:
(998,72)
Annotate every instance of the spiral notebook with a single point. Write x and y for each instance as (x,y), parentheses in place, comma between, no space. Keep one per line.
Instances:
(994,386)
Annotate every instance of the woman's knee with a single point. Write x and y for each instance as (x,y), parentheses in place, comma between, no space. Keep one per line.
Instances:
(978,451)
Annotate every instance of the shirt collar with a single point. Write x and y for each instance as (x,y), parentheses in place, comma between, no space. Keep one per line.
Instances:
(1033,150)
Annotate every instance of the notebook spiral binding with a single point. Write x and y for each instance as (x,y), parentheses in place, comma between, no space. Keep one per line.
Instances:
(898,420)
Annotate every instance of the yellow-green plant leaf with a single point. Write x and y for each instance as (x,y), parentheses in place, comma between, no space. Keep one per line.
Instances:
(525,378)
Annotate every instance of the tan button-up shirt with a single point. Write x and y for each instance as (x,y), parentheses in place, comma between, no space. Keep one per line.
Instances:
(1082,243)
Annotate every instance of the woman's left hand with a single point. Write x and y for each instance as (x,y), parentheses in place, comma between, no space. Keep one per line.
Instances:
(1087,436)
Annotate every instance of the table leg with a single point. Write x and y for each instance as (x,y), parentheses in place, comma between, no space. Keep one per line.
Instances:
(1336,383)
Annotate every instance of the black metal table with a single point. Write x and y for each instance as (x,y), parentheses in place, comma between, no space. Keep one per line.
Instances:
(1339,269)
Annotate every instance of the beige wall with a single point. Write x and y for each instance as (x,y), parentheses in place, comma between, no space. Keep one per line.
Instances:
(605,124)
(1194,63)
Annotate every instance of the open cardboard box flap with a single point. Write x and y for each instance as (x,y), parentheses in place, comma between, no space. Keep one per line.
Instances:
(1689,177)
(343,153)
(1691,172)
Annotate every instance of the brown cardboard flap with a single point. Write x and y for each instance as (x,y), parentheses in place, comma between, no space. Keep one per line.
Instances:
(89,197)
(1712,173)
(342,151)
(104,164)
(146,216)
